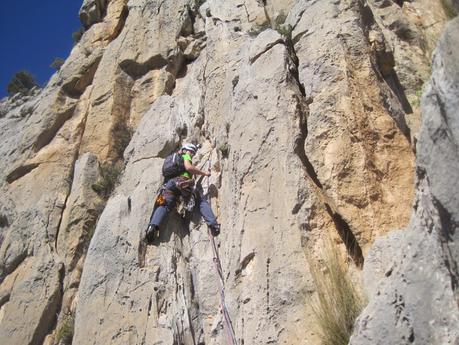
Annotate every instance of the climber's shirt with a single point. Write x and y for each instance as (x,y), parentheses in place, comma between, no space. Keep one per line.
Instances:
(186,157)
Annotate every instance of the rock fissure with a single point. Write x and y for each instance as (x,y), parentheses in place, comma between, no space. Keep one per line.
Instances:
(268,47)
(159,6)
(5,298)
(71,177)
(342,227)
(246,12)
(299,16)
(60,299)
(48,239)
(446,128)
(383,63)
(410,297)
(268,303)
(306,100)
(60,220)
(21,171)
(446,233)
(48,317)
(253,161)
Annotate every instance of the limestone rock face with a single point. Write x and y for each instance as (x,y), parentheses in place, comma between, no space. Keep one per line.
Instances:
(415,300)
(349,123)
(307,113)
(92,11)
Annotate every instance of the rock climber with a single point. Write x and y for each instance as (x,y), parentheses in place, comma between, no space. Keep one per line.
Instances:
(182,185)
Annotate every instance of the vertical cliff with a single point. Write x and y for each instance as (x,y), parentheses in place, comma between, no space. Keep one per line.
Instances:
(308,112)
(412,276)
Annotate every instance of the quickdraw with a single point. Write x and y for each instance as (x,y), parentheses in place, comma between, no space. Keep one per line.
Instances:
(160,200)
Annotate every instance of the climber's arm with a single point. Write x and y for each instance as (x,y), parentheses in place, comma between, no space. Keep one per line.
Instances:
(194,170)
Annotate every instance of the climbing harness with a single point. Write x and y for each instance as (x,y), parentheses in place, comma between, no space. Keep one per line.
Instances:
(218,267)
(191,203)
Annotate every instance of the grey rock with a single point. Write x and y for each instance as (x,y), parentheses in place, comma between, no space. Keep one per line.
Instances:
(91,11)
(344,91)
(417,300)
(438,141)
(380,261)
(83,206)
(30,301)
(223,76)
(176,295)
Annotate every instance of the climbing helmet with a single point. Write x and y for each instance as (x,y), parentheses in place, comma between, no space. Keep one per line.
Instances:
(190,147)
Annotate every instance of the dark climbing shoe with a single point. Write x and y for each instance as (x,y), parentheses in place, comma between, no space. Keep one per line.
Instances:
(215,230)
(152,233)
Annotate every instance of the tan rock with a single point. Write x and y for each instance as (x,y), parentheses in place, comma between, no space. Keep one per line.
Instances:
(351,135)
(146,90)
(26,319)
(307,127)
(411,32)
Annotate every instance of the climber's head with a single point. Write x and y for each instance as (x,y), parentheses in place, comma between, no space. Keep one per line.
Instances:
(191,148)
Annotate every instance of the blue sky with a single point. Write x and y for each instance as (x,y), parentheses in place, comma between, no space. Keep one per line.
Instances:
(32,34)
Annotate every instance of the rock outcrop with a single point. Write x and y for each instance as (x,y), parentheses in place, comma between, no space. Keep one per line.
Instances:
(415,299)
(307,112)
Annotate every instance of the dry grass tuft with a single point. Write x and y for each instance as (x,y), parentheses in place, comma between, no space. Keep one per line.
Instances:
(64,333)
(338,302)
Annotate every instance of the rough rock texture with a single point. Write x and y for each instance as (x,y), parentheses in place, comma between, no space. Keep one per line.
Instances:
(302,108)
(415,298)
(403,41)
(190,314)
(351,133)
(92,11)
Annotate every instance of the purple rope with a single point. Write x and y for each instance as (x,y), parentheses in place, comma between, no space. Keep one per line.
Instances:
(228,325)
(218,266)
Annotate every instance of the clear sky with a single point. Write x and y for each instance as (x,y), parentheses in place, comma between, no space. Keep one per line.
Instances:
(32,34)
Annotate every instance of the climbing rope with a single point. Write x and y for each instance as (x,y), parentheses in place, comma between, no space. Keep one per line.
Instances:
(218,267)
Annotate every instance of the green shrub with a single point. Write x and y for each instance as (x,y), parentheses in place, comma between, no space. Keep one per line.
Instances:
(64,332)
(285,30)
(76,35)
(109,174)
(57,63)
(21,82)
(224,149)
(449,8)
(338,302)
